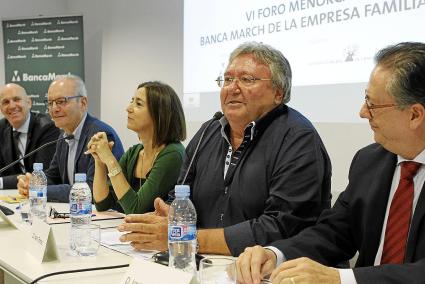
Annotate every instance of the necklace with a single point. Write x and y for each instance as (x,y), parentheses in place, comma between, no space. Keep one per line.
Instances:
(151,165)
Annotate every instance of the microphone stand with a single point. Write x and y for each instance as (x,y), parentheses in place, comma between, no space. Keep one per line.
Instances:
(68,137)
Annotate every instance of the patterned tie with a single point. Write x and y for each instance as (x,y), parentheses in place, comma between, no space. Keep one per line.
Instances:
(399,217)
(18,152)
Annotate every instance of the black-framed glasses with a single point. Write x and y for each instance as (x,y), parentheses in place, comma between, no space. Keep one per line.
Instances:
(245,80)
(53,214)
(370,107)
(60,101)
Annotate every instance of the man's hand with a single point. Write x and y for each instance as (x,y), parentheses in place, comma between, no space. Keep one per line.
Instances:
(24,184)
(304,270)
(147,231)
(254,263)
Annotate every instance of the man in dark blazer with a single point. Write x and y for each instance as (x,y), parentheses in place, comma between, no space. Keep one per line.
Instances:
(67,105)
(32,130)
(369,217)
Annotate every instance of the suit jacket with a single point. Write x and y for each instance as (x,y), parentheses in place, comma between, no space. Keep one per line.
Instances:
(355,223)
(57,176)
(41,130)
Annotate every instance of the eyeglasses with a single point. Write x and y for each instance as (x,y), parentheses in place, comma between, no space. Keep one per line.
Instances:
(245,80)
(370,107)
(55,214)
(60,101)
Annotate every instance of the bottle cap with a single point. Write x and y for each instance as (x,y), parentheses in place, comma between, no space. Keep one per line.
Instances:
(80,177)
(182,190)
(37,166)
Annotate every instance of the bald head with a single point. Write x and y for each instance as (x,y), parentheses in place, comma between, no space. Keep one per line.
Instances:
(14,104)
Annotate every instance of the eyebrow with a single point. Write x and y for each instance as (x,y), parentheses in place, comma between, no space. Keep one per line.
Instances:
(138,99)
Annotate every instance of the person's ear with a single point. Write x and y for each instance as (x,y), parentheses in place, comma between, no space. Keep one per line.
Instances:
(278,98)
(84,101)
(417,115)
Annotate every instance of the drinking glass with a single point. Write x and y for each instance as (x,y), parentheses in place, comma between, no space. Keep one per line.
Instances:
(25,212)
(220,270)
(87,239)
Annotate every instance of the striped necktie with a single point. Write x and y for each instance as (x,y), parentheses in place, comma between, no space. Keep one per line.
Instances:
(399,217)
(18,151)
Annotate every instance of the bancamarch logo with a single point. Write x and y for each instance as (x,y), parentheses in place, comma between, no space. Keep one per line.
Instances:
(34,77)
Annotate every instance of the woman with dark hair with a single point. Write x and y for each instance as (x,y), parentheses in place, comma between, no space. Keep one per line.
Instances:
(149,169)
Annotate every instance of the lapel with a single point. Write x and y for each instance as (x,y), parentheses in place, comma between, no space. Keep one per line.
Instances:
(29,137)
(63,158)
(417,221)
(82,142)
(9,152)
(30,131)
(379,191)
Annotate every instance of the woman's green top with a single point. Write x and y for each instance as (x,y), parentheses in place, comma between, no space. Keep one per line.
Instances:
(160,180)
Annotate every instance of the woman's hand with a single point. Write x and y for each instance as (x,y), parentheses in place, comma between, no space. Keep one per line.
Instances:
(100,148)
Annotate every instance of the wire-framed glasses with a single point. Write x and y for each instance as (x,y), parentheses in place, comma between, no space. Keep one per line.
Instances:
(245,80)
(370,107)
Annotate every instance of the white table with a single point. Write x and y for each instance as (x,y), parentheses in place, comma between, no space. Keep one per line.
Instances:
(19,266)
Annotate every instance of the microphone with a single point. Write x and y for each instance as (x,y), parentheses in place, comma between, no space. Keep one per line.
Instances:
(68,137)
(216,116)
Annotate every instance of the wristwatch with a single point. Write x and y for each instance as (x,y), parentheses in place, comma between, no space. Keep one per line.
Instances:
(115,171)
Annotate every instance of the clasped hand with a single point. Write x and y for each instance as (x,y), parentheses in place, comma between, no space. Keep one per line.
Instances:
(100,148)
(256,262)
(147,231)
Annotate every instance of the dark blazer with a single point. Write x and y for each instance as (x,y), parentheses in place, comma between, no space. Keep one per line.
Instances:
(355,223)
(41,130)
(57,176)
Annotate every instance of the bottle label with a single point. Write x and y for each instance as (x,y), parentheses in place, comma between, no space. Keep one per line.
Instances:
(182,233)
(80,208)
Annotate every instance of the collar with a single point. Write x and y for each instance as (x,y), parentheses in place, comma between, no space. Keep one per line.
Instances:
(257,125)
(77,131)
(225,127)
(419,158)
(24,127)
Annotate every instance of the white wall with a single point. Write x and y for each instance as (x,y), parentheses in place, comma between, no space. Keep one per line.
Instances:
(131,41)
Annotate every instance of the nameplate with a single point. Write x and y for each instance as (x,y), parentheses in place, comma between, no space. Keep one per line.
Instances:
(7,220)
(42,243)
(147,272)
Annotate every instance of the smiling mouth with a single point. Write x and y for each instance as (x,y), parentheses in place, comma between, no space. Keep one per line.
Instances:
(14,113)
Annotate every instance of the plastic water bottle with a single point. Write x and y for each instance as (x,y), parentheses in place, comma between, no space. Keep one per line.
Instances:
(38,192)
(182,231)
(80,209)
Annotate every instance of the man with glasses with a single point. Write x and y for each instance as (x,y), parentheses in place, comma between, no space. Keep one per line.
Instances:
(261,173)
(381,214)
(67,105)
(22,131)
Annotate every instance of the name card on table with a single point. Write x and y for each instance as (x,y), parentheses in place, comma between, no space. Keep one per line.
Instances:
(147,272)
(42,243)
(7,220)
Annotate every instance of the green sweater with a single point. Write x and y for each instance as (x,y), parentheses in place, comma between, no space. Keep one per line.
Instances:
(160,181)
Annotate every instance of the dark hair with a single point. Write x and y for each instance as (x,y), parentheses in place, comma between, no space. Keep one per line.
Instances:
(279,66)
(406,61)
(166,111)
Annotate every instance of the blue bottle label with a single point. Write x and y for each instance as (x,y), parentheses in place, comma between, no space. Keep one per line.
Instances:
(80,208)
(182,233)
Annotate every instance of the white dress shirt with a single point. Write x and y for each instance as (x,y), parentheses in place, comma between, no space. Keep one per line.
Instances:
(22,143)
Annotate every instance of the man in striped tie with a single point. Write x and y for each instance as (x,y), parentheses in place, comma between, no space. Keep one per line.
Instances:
(381,214)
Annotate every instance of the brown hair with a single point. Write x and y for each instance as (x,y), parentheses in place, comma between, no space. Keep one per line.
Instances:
(166,112)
